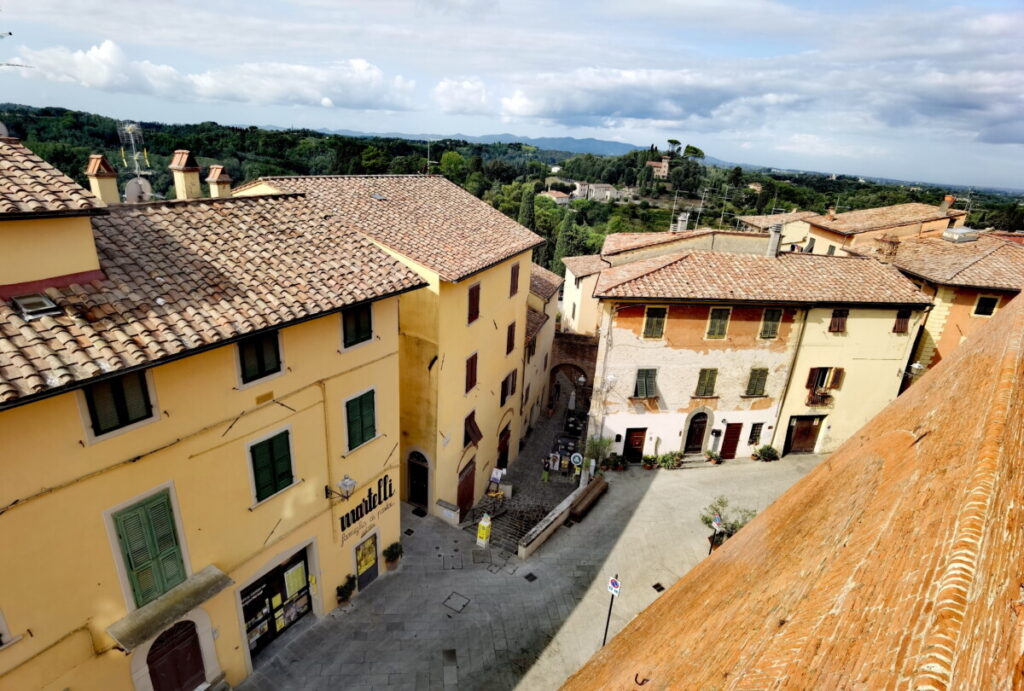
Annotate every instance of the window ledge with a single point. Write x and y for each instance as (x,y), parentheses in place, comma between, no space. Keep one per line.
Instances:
(279,492)
(243,385)
(754,395)
(705,398)
(643,398)
(365,443)
(11,642)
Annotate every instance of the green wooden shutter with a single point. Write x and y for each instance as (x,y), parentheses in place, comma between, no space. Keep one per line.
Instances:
(706,382)
(361,423)
(263,469)
(756,383)
(282,461)
(646,386)
(654,326)
(770,325)
(369,423)
(165,538)
(718,323)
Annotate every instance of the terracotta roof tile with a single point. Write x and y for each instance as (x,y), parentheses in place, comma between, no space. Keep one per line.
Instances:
(988,262)
(544,283)
(585,265)
(186,275)
(425,218)
(617,243)
(788,278)
(535,321)
(766,221)
(31,186)
(863,220)
(895,564)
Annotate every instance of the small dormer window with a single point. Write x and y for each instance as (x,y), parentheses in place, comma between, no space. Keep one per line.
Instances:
(36,305)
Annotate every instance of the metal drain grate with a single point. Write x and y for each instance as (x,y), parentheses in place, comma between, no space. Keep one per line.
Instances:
(419,512)
(530,577)
(658,587)
(409,531)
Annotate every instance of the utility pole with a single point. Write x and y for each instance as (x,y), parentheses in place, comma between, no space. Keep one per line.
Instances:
(700,210)
(725,198)
(672,218)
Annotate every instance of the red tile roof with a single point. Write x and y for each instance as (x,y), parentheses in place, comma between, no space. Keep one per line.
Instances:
(789,278)
(585,264)
(29,186)
(544,283)
(617,243)
(183,276)
(863,220)
(988,262)
(896,564)
(425,218)
(535,321)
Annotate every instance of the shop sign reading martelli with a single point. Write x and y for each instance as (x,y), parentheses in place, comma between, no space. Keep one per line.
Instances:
(374,500)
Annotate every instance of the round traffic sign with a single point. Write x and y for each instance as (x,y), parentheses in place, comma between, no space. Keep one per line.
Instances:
(576,458)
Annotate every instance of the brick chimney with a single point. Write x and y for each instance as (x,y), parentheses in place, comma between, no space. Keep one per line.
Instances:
(102,179)
(186,175)
(831,213)
(774,240)
(946,203)
(219,182)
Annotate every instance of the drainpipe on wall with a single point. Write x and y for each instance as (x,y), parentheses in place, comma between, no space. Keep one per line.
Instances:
(789,378)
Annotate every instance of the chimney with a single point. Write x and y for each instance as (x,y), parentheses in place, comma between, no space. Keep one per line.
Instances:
(219,182)
(186,175)
(831,213)
(102,179)
(887,246)
(946,203)
(774,240)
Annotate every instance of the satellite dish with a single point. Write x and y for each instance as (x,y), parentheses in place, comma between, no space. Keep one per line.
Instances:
(138,190)
(3,130)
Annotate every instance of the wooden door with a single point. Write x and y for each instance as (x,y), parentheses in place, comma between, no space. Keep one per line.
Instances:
(802,435)
(504,440)
(633,451)
(467,487)
(175,661)
(695,433)
(731,439)
(418,480)
(366,562)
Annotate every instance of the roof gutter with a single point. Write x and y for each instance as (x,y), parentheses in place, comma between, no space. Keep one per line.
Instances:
(81,384)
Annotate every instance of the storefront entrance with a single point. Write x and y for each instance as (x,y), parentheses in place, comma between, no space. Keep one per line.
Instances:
(504,441)
(419,477)
(366,562)
(275,601)
(802,435)
(175,661)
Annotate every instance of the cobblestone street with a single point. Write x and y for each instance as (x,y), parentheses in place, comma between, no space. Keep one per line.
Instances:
(452,616)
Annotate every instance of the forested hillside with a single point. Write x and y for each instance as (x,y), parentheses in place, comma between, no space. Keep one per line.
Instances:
(508,176)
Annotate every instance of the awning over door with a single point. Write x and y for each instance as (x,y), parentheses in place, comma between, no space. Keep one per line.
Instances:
(149,620)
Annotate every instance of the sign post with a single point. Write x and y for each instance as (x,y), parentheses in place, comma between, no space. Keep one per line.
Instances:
(613,588)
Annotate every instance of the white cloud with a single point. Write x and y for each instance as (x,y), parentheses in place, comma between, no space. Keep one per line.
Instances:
(816,145)
(463,96)
(354,83)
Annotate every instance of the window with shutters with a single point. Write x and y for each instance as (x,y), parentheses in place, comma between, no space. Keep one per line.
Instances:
(756,382)
(510,338)
(810,246)
(118,402)
(259,356)
(770,321)
(985,306)
(646,384)
(471,372)
(148,537)
(838,323)
(902,324)
(706,383)
(513,287)
(654,322)
(831,250)
(271,465)
(357,325)
(755,433)
(361,418)
(718,322)
(471,431)
(508,386)
(821,382)
(473,308)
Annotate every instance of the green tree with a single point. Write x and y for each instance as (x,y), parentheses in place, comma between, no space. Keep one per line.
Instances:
(374,160)
(527,213)
(736,177)
(673,146)
(453,166)
(692,152)
(573,240)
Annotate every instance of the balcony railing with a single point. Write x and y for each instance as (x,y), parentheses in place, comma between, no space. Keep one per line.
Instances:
(817,399)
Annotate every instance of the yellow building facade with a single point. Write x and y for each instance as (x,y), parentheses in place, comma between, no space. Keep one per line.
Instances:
(196,453)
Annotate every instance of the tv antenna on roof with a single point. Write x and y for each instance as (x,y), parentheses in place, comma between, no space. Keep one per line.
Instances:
(138,189)
(5,34)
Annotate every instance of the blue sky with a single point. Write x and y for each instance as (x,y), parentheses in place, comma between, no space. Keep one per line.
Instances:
(913,90)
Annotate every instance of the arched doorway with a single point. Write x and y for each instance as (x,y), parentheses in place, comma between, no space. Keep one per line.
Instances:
(579,381)
(419,480)
(175,660)
(695,433)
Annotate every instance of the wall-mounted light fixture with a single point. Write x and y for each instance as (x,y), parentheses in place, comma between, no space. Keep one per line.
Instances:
(345,489)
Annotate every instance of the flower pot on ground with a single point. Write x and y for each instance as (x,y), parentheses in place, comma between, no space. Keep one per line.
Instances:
(766,453)
(344,591)
(648,466)
(713,456)
(392,553)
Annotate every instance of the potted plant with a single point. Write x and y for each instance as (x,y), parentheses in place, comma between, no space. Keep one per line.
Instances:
(725,520)
(713,456)
(344,592)
(392,553)
(766,453)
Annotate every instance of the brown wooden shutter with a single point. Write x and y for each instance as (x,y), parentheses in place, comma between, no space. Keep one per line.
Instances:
(838,323)
(514,287)
(902,324)
(471,372)
(474,303)
(473,433)
(836,378)
(812,378)
(510,338)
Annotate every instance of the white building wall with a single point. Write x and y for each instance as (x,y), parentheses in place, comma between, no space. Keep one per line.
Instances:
(580,309)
